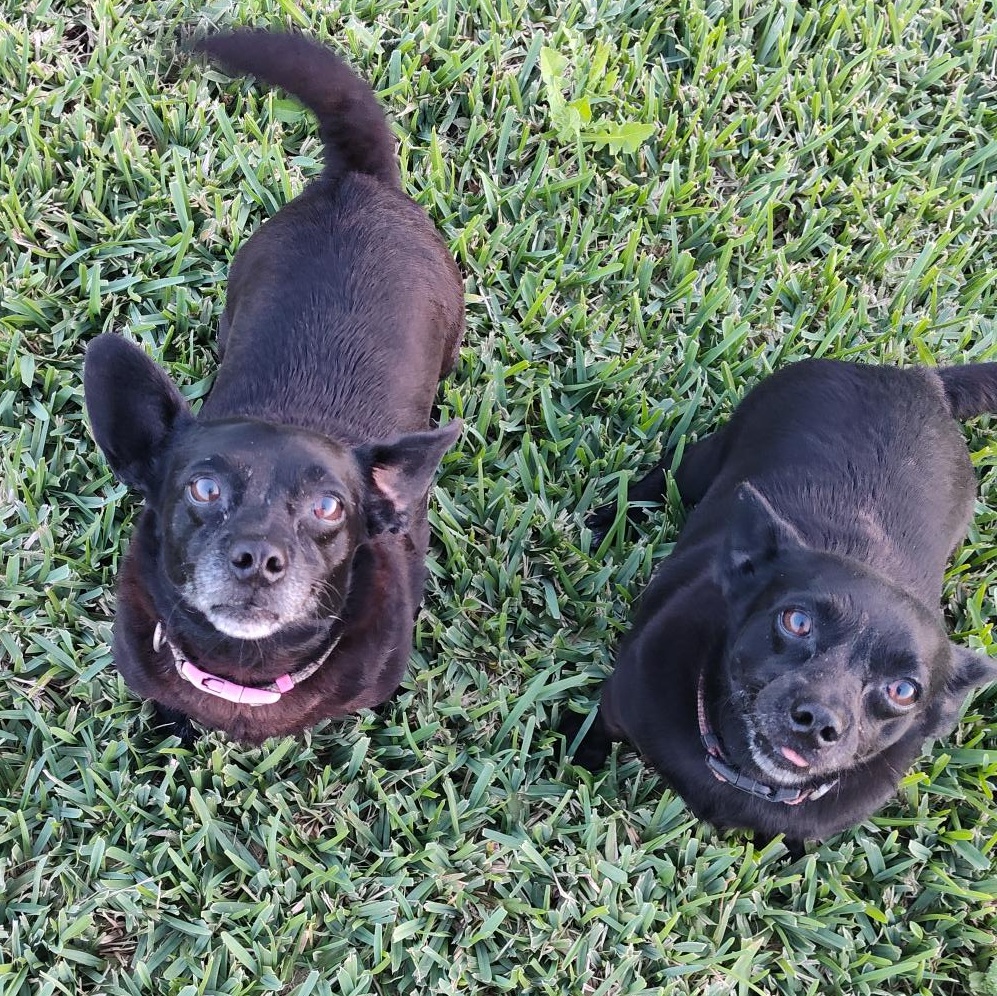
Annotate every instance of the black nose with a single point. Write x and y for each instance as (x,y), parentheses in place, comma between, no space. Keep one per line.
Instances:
(257,559)
(816,724)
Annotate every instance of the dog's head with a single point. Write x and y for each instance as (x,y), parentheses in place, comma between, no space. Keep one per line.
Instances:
(827,664)
(258,523)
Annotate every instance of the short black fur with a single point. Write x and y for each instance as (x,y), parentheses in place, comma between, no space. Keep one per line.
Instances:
(801,603)
(286,523)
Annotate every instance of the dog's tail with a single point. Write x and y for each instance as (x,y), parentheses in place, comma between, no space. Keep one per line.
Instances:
(971,389)
(354,131)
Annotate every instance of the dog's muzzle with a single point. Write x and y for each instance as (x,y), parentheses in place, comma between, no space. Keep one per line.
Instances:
(722,769)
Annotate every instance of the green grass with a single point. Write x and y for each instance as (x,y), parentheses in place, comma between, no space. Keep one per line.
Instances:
(654,202)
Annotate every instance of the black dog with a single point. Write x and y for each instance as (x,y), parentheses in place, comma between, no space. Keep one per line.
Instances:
(788,659)
(279,560)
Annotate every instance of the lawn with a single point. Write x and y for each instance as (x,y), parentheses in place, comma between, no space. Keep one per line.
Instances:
(654,203)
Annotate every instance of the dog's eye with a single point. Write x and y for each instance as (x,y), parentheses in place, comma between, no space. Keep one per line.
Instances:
(795,622)
(903,693)
(204,490)
(328,508)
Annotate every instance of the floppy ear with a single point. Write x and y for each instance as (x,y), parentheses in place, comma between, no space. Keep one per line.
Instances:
(756,536)
(133,408)
(969,670)
(399,473)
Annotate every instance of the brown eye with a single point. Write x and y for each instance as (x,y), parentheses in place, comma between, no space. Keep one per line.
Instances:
(328,508)
(795,622)
(903,693)
(204,490)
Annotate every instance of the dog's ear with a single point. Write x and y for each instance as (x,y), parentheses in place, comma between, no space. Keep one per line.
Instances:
(756,536)
(399,472)
(969,670)
(133,408)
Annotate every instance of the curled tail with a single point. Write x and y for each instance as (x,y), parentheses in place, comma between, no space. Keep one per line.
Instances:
(354,131)
(971,389)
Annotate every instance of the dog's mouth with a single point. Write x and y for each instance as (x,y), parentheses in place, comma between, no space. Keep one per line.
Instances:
(752,747)
(793,757)
(781,763)
(787,777)
(244,622)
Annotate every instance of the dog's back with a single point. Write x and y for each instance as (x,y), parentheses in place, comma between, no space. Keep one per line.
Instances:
(851,453)
(344,309)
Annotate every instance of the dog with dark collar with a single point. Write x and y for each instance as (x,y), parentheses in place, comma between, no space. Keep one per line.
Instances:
(278,563)
(788,659)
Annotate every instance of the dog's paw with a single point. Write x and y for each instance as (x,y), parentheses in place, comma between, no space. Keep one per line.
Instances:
(594,748)
(796,847)
(168,722)
(601,520)
(649,490)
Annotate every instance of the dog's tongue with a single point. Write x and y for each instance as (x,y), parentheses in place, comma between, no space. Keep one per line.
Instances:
(791,755)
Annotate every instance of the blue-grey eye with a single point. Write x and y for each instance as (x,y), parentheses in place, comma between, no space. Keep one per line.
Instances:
(795,623)
(903,693)
(204,490)
(328,508)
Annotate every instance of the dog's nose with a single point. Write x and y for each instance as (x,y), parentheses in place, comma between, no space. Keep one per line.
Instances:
(816,724)
(257,559)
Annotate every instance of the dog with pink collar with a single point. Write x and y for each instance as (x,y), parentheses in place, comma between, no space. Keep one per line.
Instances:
(278,563)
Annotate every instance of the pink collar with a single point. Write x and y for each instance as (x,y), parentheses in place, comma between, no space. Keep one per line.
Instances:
(231,691)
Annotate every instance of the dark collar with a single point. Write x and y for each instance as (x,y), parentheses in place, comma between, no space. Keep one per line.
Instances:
(724,771)
(231,691)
